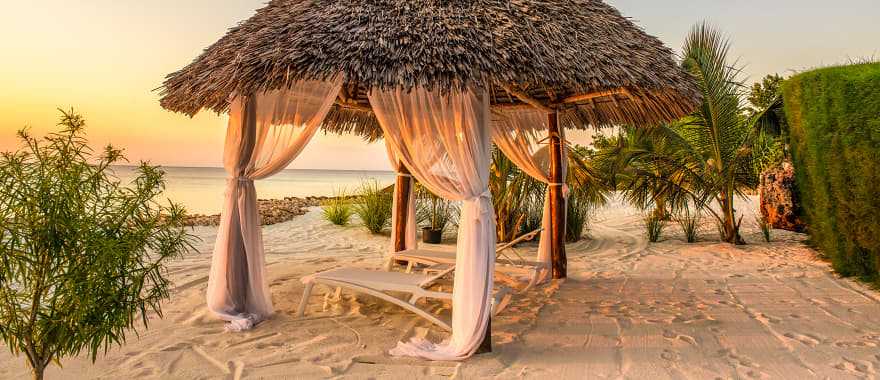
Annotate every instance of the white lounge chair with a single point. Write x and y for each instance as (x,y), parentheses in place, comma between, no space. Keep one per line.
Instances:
(379,283)
(506,266)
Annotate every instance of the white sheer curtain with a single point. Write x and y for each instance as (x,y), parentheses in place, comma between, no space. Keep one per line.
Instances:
(444,140)
(265,133)
(410,239)
(521,134)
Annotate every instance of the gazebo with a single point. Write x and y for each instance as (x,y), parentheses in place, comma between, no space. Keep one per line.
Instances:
(439,80)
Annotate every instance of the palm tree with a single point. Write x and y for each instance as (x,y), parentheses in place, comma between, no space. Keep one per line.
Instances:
(708,157)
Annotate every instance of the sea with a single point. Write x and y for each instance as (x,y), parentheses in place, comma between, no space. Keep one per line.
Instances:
(201,190)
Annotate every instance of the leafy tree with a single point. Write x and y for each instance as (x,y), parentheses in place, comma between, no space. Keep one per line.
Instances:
(766,92)
(82,257)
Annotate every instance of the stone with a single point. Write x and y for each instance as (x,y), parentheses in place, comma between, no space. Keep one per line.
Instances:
(272,211)
(779,202)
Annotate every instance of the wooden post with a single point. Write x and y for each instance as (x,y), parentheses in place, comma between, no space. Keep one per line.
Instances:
(557,201)
(486,345)
(403,187)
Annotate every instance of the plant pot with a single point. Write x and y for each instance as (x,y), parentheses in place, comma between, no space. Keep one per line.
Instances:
(432,236)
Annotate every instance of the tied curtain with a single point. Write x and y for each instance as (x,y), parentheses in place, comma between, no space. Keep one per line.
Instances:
(444,140)
(521,134)
(265,133)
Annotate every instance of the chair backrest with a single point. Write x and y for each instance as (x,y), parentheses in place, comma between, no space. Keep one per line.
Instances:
(510,246)
(526,237)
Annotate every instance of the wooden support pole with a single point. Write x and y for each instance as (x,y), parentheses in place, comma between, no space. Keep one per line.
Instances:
(557,200)
(403,187)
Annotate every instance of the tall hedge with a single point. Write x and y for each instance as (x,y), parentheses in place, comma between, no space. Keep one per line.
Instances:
(834,119)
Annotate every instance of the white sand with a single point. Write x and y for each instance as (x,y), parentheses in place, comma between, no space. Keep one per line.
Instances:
(628,310)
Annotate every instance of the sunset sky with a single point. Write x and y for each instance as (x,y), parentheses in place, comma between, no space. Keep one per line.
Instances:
(105,57)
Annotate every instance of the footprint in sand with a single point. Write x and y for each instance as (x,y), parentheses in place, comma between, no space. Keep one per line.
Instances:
(672,335)
(856,367)
(670,355)
(804,339)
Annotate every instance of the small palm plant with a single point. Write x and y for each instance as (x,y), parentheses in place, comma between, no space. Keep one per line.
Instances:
(654,226)
(373,206)
(82,258)
(338,209)
(689,222)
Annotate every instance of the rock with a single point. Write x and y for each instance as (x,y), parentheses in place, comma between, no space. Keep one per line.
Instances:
(272,211)
(779,203)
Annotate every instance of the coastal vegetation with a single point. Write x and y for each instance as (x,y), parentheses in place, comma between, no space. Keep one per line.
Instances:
(704,159)
(835,143)
(338,209)
(83,258)
(689,222)
(373,206)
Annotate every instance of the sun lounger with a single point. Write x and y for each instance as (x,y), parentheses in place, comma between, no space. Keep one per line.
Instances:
(509,262)
(379,283)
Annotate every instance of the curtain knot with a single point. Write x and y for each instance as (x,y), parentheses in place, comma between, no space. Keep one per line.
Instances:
(404,175)
(484,202)
(242,179)
(565,189)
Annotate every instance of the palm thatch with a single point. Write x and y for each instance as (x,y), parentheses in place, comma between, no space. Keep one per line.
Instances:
(581,57)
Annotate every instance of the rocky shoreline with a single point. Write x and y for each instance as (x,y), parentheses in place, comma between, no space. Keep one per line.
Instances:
(272,211)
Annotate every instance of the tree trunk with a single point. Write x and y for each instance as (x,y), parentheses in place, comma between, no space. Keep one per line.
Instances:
(730,227)
(38,372)
(557,201)
(404,184)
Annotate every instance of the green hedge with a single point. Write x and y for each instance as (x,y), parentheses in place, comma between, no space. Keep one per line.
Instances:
(834,119)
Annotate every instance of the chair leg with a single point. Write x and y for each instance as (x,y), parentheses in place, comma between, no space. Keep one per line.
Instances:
(305,300)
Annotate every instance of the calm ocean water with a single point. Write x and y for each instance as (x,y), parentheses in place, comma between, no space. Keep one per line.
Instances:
(201,190)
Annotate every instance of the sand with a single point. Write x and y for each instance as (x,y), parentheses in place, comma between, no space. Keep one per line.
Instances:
(629,310)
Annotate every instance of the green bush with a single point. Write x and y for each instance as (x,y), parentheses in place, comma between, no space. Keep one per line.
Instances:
(83,258)
(374,206)
(834,121)
(338,210)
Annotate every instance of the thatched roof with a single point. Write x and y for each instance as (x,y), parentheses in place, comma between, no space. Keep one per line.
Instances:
(579,56)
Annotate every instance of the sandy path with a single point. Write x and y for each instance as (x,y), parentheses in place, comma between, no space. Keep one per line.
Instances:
(628,310)
(702,311)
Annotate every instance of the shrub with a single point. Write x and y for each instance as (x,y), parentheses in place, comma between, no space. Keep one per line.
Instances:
(689,223)
(834,125)
(82,258)
(338,210)
(654,227)
(374,206)
(577,219)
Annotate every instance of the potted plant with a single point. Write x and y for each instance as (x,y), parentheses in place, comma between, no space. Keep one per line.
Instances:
(435,213)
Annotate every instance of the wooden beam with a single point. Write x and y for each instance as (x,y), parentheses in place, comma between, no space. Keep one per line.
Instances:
(557,199)
(403,188)
(353,106)
(594,95)
(526,98)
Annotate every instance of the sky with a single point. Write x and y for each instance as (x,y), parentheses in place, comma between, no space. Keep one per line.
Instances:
(104,58)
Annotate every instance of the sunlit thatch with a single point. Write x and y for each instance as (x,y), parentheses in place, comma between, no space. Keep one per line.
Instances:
(579,56)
